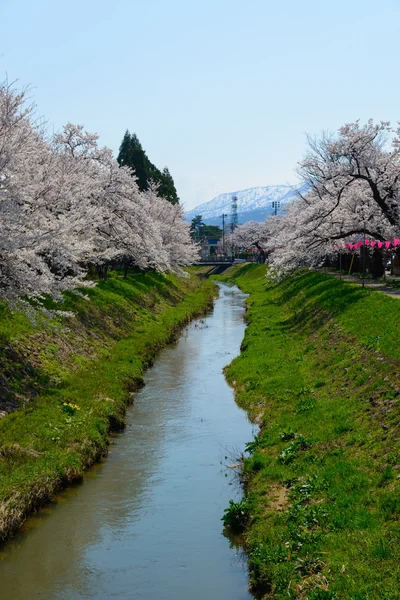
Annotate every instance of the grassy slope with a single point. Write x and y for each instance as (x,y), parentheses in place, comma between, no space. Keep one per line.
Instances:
(320,371)
(95,362)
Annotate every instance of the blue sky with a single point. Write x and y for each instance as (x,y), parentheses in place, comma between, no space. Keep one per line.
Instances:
(222,92)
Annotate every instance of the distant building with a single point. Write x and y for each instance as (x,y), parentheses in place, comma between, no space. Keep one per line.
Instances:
(210,246)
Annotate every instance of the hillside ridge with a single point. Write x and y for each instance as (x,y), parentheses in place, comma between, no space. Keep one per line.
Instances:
(254,204)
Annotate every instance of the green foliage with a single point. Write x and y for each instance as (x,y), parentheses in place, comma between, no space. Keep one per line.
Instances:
(131,154)
(290,452)
(237,515)
(287,435)
(258,442)
(390,505)
(381,550)
(320,363)
(69,408)
(305,404)
(322,595)
(167,189)
(200,231)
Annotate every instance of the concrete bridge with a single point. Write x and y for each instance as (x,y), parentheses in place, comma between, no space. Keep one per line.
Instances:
(219,263)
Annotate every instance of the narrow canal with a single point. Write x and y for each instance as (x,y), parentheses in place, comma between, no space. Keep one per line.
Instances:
(146,522)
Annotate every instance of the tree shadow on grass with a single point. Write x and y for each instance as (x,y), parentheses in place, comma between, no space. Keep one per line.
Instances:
(316,298)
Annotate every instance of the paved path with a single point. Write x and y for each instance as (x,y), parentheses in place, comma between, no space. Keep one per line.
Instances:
(379,286)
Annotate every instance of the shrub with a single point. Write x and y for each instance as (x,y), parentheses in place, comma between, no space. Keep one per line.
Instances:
(69,408)
(237,515)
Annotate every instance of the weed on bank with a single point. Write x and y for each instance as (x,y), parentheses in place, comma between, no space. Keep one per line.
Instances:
(319,371)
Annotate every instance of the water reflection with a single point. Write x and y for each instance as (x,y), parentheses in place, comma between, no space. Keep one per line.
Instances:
(146,523)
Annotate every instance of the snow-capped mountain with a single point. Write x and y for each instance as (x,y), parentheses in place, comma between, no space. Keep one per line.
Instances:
(253,204)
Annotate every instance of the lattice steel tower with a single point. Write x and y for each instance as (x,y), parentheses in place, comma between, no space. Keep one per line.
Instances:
(234,215)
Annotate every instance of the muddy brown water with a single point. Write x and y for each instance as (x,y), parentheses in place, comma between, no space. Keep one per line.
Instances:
(146,522)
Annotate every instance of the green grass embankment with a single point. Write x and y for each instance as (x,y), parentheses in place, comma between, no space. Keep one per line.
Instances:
(319,370)
(74,380)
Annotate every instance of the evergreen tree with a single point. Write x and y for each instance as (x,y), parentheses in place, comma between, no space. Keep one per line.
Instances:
(167,187)
(200,231)
(123,149)
(131,154)
(196,227)
(212,232)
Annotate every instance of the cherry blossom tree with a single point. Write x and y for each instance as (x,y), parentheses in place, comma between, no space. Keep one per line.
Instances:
(25,187)
(120,224)
(65,204)
(250,234)
(174,231)
(354,192)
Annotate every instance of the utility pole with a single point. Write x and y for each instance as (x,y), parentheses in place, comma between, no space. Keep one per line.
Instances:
(223,233)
